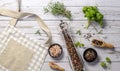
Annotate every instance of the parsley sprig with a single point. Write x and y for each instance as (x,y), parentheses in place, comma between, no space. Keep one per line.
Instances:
(92,14)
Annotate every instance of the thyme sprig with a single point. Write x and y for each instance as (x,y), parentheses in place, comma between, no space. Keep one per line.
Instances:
(58,8)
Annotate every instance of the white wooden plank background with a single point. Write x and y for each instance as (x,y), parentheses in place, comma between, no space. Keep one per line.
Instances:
(110,9)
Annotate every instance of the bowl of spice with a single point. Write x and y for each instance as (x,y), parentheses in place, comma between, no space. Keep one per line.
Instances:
(55,50)
(90,55)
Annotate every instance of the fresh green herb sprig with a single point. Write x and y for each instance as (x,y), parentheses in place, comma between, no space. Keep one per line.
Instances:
(108,60)
(78,32)
(58,8)
(38,32)
(78,44)
(104,64)
(92,14)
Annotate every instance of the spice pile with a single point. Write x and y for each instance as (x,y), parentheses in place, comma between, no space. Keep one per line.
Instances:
(55,50)
(102,44)
(90,55)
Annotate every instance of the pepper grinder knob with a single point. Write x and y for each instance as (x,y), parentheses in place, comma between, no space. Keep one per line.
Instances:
(63,25)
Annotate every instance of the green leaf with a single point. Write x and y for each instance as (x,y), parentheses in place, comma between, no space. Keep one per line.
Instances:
(78,32)
(38,32)
(82,45)
(92,14)
(78,44)
(108,60)
(46,10)
(103,64)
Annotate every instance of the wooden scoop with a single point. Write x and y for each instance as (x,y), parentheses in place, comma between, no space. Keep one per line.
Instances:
(102,44)
(55,66)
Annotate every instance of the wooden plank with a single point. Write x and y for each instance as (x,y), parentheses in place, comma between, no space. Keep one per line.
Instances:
(111,27)
(10,4)
(37,3)
(89,67)
(110,13)
(73,2)
(56,23)
(111,38)
(76,12)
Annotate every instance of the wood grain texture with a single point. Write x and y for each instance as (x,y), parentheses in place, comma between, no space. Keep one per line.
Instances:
(110,33)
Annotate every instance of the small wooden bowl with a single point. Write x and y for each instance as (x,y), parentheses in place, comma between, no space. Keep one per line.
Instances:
(59,54)
(91,51)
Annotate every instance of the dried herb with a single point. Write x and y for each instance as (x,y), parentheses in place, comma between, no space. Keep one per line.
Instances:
(98,32)
(88,36)
(78,44)
(92,14)
(38,32)
(58,8)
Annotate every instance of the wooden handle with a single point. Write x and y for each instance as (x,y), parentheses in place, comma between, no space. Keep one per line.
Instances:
(55,66)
